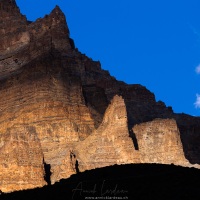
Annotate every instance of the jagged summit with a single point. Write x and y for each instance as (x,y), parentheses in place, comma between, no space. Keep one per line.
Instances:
(58,16)
(5,3)
(57,11)
(21,42)
(8,7)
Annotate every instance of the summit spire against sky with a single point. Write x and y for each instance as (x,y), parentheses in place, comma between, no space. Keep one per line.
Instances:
(153,43)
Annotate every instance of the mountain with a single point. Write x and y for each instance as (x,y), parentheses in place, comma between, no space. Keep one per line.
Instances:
(61,113)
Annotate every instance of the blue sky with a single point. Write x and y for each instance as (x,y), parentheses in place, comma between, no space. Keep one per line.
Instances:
(154,43)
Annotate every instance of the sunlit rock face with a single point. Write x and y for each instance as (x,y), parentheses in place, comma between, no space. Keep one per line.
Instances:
(159,142)
(21,159)
(110,144)
(42,105)
(58,107)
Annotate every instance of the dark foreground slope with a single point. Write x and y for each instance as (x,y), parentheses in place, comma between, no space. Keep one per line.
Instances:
(136,181)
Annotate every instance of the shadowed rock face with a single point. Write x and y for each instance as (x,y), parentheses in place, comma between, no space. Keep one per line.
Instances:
(189,127)
(60,108)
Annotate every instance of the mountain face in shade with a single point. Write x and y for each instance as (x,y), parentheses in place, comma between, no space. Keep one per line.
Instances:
(59,108)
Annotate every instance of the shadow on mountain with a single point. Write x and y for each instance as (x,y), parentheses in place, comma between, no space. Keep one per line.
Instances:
(135,181)
(189,128)
(47,175)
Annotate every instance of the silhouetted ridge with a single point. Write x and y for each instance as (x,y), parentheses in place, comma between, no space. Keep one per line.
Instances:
(137,181)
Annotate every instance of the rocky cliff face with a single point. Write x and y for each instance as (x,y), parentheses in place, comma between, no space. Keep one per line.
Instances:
(59,107)
(159,142)
(110,144)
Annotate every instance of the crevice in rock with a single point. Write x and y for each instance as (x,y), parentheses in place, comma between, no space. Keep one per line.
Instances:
(47,170)
(71,41)
(77,167)
(134,139)
(74,162)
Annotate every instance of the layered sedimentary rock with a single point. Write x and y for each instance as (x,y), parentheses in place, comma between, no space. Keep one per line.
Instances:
(21,159)
(159,142)
(52,103)
(36,91)
(59,107)
(110,144)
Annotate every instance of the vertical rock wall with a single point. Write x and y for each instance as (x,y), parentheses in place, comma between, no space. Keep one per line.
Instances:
(159,142)
(21,158)
(110,144)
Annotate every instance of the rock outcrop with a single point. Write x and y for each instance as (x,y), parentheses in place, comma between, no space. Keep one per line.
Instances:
(159,142)
(110,144)
(59,107)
